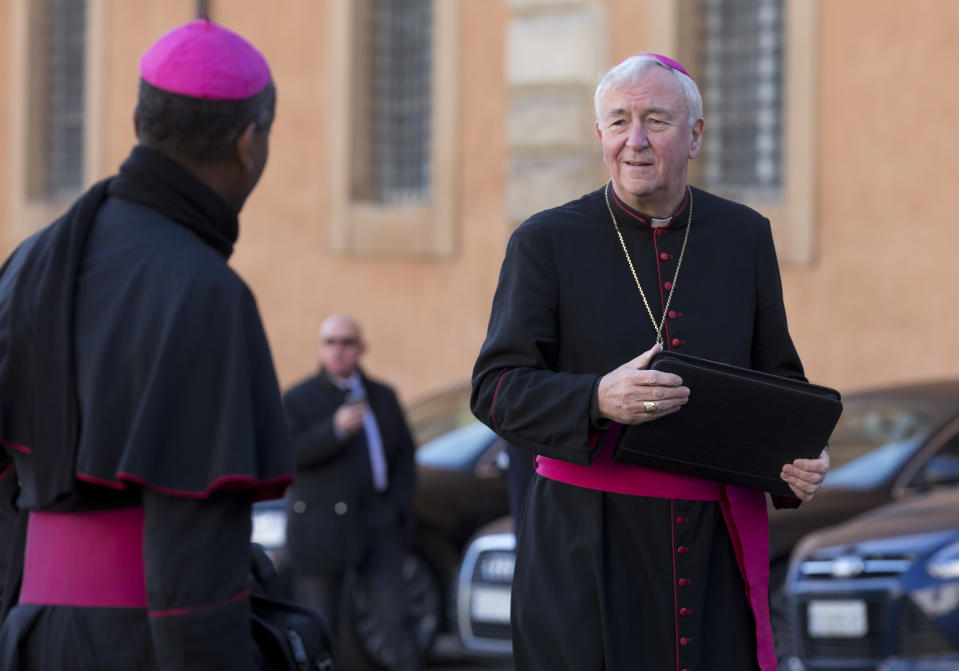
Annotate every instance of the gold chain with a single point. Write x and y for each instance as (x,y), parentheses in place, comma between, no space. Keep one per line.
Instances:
(672,288)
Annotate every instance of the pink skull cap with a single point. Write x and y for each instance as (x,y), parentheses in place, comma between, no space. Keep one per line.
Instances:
(667,61)
(204,60)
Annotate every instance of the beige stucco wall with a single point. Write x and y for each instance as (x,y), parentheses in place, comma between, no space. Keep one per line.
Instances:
(6,11)
(874,307)
(879,303)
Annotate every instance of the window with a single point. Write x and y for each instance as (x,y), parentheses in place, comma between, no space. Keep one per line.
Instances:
(942,469)
(57,53)
(56,98)
(742,89)
(755,64)
(392,139)
(394,100)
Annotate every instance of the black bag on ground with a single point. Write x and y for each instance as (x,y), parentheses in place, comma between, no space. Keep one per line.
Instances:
(290,637)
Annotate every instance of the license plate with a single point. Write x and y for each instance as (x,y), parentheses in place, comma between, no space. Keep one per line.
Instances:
(490,604)
(837,619)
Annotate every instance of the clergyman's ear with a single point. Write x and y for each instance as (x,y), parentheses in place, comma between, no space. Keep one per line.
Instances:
(696,142)
(244,147)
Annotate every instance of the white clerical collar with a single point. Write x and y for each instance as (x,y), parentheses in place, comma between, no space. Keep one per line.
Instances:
(659,223)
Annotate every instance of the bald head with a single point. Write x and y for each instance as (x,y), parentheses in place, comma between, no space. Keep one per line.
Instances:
(341,345)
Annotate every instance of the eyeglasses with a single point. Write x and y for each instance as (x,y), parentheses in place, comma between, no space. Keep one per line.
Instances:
(341,342)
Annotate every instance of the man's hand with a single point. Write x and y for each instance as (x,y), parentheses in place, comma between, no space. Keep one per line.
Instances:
(805,476)
(631,394)
(348,418)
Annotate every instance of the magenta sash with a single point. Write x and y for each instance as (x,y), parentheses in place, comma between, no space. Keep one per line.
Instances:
(92,558)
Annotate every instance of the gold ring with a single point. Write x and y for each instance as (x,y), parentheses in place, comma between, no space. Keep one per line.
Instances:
(649,406)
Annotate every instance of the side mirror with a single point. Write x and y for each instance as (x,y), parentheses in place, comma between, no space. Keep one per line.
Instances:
(941,471)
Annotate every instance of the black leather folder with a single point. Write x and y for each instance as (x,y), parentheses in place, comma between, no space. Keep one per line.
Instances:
(739,426)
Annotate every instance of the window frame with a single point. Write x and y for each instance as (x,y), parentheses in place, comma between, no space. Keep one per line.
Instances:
(28,213)
(417,229)
(793,216)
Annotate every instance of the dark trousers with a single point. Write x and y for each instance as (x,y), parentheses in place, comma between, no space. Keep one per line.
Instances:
(379,575)
(321,592)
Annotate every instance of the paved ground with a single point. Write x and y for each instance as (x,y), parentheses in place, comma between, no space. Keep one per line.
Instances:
(449,656)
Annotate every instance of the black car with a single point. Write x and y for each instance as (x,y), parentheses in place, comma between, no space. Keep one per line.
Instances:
(882,588)
(460,486)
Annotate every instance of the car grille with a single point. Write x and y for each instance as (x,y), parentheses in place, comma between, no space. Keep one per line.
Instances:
(917,635)
(851,567)
(494,568)
(869,646)
(897,626)
(485,579)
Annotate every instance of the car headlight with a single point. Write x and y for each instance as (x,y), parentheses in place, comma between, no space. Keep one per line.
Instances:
(269,528)
(944,565)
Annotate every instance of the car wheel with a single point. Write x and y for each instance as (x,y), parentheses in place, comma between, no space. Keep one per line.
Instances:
(423,612)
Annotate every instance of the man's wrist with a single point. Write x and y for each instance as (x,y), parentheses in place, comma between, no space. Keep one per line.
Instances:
(596,420)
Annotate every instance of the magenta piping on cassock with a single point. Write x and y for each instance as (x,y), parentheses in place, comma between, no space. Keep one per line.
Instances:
(16,446)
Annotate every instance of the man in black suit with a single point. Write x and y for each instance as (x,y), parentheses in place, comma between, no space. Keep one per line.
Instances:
(350,502)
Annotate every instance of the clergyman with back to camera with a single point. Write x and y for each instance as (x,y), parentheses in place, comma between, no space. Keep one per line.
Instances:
(140,412)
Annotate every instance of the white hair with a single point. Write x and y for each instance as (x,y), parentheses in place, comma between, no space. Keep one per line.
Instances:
(629,71)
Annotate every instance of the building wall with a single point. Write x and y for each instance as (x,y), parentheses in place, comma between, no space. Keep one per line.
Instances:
(872,307)
(877,306)
(6,26)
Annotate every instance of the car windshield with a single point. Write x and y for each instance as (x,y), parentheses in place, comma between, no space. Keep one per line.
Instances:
(456,449)
(874,437)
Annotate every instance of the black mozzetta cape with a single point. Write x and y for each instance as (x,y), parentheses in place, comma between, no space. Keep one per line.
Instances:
(567,310)
(130,353)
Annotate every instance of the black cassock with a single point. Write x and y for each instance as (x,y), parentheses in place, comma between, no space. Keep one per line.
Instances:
(596,576)
(135,375)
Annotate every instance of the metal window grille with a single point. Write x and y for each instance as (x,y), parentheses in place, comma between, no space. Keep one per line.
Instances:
(743,97)
(397,103)
(57,105)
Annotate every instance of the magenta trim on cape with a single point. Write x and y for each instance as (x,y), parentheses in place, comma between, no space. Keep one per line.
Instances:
(271,488)
(744,511)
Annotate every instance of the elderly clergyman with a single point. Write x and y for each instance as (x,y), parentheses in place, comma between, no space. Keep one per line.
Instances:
(139,409)
(622,567)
